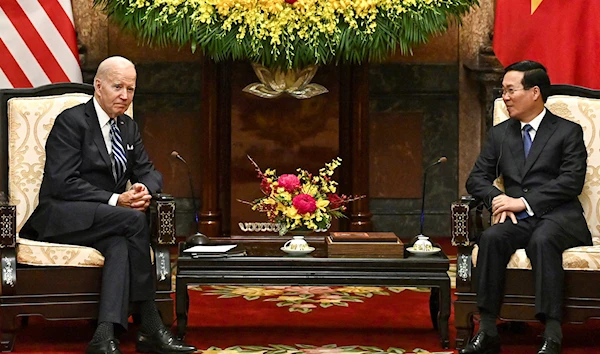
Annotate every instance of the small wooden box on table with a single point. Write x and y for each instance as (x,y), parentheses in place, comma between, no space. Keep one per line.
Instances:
(364,245)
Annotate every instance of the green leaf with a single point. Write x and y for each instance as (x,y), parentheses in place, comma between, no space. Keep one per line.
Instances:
(154,25)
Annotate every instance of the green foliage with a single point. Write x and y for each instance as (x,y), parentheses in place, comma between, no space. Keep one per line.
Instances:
(347,44)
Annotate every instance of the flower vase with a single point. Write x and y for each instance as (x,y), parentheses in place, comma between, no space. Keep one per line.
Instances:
(294,82)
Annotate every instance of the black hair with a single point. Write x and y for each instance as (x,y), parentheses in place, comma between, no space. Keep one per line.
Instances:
(534,74)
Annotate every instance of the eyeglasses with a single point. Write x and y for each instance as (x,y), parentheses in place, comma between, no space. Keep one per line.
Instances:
(511,91)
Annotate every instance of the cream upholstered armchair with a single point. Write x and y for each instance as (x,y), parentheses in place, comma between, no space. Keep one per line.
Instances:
(53,280)
(582,264)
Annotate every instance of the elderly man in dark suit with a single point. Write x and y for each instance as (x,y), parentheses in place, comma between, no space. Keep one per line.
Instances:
(92,151)
(542,159)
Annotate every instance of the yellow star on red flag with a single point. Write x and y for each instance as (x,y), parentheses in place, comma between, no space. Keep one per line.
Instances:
(534,5)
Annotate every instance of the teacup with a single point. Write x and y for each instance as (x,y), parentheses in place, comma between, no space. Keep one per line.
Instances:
(423,244)
(297,243)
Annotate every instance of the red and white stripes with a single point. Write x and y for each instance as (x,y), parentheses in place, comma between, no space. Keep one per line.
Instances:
(38,45)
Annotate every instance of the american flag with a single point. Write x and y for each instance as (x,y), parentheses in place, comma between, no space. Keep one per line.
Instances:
(38,44)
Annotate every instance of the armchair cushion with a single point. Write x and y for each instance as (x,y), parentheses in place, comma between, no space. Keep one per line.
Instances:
(53,254)
(576,258)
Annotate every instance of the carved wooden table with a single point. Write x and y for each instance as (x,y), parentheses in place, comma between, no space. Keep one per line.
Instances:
(276,268)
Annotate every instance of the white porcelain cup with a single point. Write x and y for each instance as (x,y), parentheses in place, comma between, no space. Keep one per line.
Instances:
(297,243)
(423,244)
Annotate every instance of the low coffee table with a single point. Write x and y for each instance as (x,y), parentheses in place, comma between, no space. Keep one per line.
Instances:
(279,269)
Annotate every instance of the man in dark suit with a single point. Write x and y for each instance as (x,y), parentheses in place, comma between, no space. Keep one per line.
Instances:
(542,159)
(92,151)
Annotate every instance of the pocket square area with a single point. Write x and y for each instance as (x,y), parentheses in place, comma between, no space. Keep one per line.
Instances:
(129,147)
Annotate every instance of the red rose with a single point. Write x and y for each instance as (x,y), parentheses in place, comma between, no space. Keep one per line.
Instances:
(335,201)
(304,203)
(290,1)
(289,182)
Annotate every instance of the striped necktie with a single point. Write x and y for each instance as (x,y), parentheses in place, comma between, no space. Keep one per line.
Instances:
(118,151)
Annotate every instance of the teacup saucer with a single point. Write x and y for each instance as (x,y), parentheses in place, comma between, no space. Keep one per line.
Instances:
(292,252)
(434,250)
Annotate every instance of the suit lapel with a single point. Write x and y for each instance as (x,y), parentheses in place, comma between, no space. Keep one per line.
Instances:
(92,121)
(545,131)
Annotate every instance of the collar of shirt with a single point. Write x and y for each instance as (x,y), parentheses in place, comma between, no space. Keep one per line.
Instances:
(104,121)
(535,123)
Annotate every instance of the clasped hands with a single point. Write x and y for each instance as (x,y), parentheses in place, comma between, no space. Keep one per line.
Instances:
(504,206)
(137,198)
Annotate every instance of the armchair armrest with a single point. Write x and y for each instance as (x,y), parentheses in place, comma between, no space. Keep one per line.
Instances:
(8,241)
(163,219)
(163,237)
(466,225)
(467,220)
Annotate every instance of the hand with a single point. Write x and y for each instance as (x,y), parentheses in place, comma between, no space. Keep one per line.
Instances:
(137,198)
(500,218)
(503,206)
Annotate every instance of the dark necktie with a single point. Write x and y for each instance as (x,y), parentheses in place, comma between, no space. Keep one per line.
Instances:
(526,147)
(117,149)
(527,139)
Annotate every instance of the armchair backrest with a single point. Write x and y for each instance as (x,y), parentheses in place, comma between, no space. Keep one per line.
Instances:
(27,116)
(580,105)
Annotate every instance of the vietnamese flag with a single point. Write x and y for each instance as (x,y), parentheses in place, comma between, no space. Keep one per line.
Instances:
(563,35)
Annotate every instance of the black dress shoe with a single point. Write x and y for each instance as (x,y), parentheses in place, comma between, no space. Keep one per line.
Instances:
(549,347)
(109,346)
(161,342)
(482,344)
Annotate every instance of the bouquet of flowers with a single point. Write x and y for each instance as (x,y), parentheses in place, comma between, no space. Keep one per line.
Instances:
(302,200)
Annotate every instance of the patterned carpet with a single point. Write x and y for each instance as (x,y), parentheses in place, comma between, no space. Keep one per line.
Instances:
(311,349)
(304,299)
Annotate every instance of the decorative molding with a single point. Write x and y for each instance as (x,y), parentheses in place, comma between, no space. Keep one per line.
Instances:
(463,269)
(166,222)
(460,228)
(8,271)
(8,220)
(266,227)
(162,266)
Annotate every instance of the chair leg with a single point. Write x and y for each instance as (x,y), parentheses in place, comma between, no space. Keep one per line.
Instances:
(8,328)
(463,322)
(8,341)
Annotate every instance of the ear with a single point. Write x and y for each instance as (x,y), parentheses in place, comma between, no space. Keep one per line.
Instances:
(537,93)
(97,83)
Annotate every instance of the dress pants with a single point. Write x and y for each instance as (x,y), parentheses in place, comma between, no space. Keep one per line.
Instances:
(544,241)
(122,236)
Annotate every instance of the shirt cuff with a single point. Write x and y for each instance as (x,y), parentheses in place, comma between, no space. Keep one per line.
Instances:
(113,199)
(527,207)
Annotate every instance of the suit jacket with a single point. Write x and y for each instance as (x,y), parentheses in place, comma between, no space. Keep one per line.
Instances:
(550,179)
(78,172)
